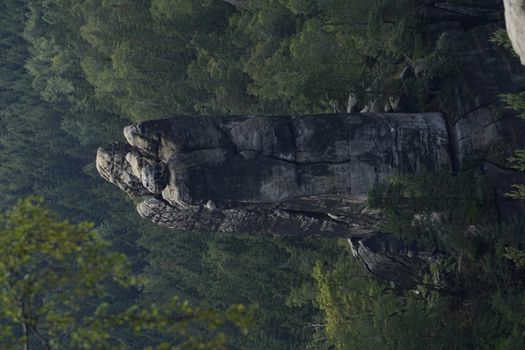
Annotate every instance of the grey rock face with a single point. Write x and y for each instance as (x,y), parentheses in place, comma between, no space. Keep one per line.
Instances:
(271,174)
(154,177)
(152,174)
(260,219)
(515,21)
(487,70)
(113,166)
(480,127)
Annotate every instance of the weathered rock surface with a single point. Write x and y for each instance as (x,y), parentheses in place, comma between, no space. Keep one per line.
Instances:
(352,104)
(261,218)
(295,175)
(112,164)
(390,259)
(515,21)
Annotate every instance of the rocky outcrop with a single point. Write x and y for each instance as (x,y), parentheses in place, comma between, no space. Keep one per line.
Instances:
(293,175)
(515,21)
(388,258)
(283,220)
(112,165)
(487,70)
(309,175)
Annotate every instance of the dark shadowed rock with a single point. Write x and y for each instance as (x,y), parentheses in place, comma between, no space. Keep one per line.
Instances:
(487,70)
(407,74)
(500,182)
(480,127)
(469,15)
(390,259)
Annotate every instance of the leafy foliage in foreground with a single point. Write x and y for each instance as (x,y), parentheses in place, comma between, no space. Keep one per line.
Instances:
(53,279)
(48,147)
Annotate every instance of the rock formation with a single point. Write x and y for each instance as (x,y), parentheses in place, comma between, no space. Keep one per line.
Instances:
(290,175)
(309,175)
(294,175)
(389,258)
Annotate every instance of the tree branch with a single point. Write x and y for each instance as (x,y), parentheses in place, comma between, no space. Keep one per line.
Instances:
(25,334)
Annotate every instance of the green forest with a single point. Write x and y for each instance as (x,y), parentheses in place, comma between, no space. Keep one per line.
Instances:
(97,276)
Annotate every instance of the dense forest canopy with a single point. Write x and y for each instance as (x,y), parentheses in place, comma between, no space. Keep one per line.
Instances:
(152,59)
(74,72)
